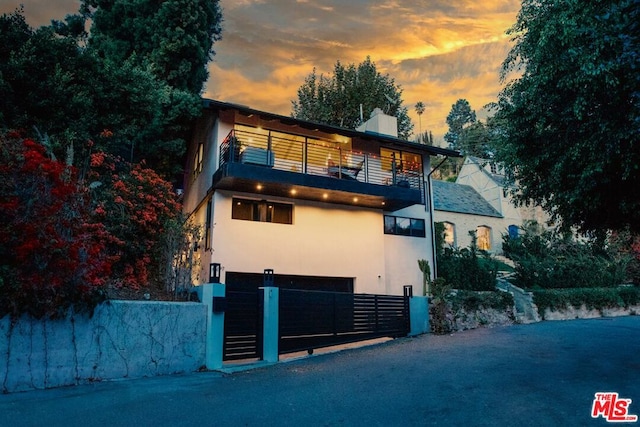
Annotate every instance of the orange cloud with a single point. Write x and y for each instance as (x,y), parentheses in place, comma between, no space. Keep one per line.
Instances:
(438,51)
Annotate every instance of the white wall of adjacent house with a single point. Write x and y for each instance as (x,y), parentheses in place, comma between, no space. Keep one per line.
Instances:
(324,240)
(464,223)
(471,175)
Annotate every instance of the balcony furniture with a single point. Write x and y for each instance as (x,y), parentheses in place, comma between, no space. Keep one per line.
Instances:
(344,172)
(257,156)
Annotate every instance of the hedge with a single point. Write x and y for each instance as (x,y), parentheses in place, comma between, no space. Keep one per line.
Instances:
(592,298)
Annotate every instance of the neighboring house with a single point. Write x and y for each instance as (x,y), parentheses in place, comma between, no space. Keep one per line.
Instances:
(325,208)
(478,201)
(462,209)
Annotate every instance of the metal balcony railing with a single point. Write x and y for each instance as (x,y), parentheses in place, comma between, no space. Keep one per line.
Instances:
(299,155)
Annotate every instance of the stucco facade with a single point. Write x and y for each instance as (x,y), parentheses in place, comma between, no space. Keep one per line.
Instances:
(282,206)
(478,201)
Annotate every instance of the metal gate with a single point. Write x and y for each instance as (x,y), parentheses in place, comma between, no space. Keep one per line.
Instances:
(313,319)
(243,325)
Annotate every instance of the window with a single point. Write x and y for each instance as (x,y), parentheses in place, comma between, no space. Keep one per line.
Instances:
(404,226)
(484,237)
(514,231)
(449,233)
(262,211)
(404,161)
(197,161)
(207,231)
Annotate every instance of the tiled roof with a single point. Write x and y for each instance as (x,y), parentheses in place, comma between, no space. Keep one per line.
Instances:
(452,197)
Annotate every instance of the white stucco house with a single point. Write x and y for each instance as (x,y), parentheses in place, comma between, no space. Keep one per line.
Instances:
(462,209)
(478,201)
(325,208)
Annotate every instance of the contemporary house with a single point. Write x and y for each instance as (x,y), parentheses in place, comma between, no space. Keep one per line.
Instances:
(325,208)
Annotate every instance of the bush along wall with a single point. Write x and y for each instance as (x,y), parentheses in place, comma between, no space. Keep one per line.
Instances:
(590,299)
(466,268)
(548,260)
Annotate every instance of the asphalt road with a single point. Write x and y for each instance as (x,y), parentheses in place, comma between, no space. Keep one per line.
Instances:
(543,374)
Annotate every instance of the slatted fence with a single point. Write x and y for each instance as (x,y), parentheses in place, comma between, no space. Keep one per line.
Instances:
(243,326)
(312,319)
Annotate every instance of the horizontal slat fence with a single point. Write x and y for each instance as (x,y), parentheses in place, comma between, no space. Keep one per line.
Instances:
(313,319)
(243,326)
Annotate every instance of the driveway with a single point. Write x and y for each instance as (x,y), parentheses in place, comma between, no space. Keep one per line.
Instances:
(543,374)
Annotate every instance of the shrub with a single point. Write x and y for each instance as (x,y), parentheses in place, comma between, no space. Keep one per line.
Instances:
(591,298)
(630,295)
(473,301)
(467,268)
(626,246)
(548,260)
(139,209)
(52,255)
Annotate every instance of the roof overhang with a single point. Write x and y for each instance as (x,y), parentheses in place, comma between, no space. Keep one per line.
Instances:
(314,126)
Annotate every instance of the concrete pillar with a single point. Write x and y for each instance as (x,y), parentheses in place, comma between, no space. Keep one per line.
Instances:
(215,321)
(270,325)
(419,309)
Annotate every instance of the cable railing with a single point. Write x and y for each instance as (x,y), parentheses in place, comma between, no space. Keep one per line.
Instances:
(301,155)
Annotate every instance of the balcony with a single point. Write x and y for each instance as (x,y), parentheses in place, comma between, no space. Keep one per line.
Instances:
(299,168)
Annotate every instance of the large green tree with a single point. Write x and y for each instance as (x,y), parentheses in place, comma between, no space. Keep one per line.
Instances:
(460,116)
(338,99)
(64,88)
(571,117)
(173,38)
(64,95)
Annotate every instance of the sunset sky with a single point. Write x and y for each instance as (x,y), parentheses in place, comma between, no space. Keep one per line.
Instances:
(438,51)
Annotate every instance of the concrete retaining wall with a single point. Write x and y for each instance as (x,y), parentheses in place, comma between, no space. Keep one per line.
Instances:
(583,313)
(123,339)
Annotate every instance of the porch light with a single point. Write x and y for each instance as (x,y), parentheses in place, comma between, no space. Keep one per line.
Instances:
(355,200)
(325,196)
(259,187)
(294,191)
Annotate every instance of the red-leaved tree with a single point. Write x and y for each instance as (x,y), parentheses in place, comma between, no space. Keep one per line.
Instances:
(136,206)
(52,251)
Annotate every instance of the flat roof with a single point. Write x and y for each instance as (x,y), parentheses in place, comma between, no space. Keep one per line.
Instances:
(243,109)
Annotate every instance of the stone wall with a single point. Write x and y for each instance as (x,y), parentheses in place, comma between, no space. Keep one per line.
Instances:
(123,339)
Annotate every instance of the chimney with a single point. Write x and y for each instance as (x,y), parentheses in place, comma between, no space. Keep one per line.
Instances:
(380,123)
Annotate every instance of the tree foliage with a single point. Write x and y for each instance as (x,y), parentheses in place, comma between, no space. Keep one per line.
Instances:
(173,39)
(67,240)
(548,259)
(55,80)
(571,119)
(52,255)
(136,206)
(460,116)
(337,99)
